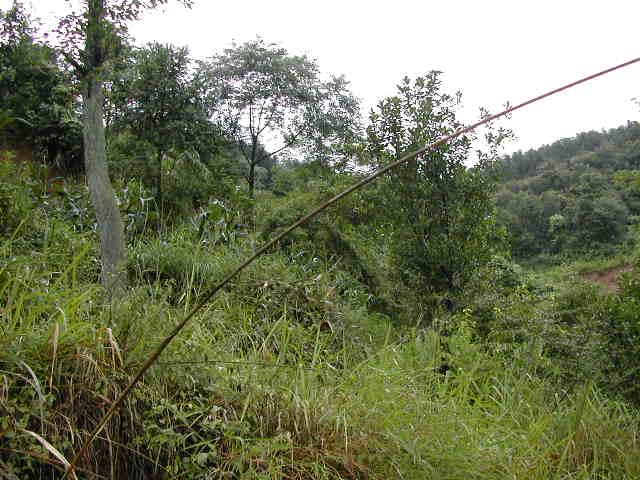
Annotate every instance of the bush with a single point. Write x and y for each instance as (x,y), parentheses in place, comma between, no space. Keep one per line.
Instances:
(17,199)
(621,333)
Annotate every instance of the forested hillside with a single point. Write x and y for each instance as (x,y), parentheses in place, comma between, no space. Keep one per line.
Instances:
(578,195)
(392,336)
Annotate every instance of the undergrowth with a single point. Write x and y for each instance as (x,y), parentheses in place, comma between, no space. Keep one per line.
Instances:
(289,373)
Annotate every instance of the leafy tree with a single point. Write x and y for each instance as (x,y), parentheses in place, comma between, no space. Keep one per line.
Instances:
(523,215)
(37,100)
(590,184)
(157,100)
(442,212)
(91,40)
(600,221)
(270,103)
(628,183)
(558,234)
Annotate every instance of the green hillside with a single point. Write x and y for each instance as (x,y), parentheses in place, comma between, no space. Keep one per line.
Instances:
(578,195)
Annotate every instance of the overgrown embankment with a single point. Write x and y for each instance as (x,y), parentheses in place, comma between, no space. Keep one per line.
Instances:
(293,372)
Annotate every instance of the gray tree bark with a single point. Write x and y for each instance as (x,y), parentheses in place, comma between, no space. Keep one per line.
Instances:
(110,227)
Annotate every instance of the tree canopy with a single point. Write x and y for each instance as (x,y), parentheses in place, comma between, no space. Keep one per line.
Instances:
(37,101)
(441,211)
(271,103)
(156,98)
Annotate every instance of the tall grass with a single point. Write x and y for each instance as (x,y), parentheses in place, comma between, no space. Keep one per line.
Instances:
(286,375)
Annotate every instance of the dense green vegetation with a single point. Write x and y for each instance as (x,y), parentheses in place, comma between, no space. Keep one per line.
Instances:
(392,337)
(578,195)
(37,102)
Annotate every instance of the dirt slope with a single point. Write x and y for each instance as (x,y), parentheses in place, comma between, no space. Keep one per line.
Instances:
(608,278)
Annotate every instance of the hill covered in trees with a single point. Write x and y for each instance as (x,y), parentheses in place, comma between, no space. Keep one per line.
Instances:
(575,196)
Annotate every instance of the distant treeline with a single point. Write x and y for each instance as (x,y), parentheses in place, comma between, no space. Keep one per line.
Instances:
(576,195)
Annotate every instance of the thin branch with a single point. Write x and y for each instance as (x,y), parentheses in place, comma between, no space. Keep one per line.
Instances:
(80,69)
(285,146)
(268,122)
(242,147)
(260,116)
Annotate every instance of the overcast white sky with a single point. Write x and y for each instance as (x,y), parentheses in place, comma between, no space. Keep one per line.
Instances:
(493,50)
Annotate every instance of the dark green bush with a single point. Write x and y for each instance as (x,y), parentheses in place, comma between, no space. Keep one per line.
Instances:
(621,333)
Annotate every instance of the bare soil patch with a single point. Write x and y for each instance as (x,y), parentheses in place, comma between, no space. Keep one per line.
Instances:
(608,278)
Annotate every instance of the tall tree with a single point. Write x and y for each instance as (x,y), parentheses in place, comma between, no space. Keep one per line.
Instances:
(157,100)
(440,210)
(91,40)
(264,97)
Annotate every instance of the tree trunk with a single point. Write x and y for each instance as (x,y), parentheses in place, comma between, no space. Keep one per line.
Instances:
(110,227)
(252,165)
(159,187)
(251,179)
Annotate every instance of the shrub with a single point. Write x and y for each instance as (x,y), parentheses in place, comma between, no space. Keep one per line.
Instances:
(16,196)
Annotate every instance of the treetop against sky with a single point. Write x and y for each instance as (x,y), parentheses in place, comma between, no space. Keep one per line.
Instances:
(494,51)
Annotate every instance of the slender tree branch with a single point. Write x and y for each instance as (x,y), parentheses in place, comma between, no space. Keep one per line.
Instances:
(294,138)
(80,69)
(268,122)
